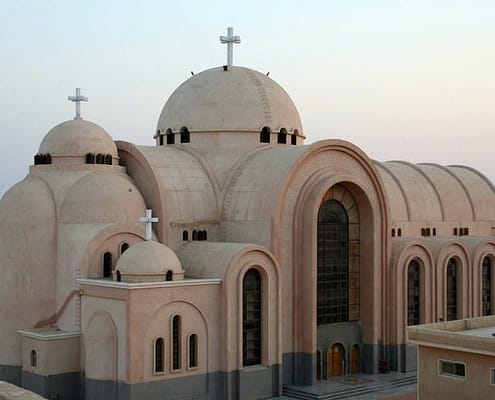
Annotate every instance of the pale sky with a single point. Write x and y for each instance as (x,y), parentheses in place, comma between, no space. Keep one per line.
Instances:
(411,80)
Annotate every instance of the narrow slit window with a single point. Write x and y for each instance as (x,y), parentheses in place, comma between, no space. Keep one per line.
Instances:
(193,351)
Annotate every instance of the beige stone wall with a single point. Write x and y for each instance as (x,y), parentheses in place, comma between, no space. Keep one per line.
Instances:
(432,386)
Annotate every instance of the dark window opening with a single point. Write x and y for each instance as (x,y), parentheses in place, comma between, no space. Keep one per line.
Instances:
(185,136)
(108,159)
(195,235)
(282,136)
(293,139)
(169,275)
(123,247)
(161,140)
(193,351)
(119,276)
(332,263)
(413,293)
(452,283)
(176,347)
(455,231)
(185,235)
(159,364)
(107,265)
(34,358)
(393,232)
(251,318)
(170,136)
(265,134)
(423,231)
(90,158)
(434,231)
(486,287)
(399,232)
(42,159)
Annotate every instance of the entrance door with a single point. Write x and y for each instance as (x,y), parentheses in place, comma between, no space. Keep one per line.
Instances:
(355,359)
(336,360)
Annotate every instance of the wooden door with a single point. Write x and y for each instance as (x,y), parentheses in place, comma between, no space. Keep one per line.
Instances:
(336,360)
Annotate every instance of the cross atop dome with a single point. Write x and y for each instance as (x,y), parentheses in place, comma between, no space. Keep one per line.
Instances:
(148,220)
(230,39)
(77,99)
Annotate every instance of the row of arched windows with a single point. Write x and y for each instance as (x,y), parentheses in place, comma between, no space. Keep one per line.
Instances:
(461,231)
(41,159)
(453,295)
(399,232)
(196,235)
(185,136)
(92,158)
(266,134)
(428,231)
(176,359)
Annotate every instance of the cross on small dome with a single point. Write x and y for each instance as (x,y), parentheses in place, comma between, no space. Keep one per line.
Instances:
(77,99)
(148,220)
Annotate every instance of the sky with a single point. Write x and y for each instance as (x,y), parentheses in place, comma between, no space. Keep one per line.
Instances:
(403,80)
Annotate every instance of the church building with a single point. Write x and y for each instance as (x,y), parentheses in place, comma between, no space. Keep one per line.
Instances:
(261,262)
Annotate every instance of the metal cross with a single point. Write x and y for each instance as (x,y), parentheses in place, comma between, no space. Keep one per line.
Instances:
(230,39)
(77,99)
(148,220)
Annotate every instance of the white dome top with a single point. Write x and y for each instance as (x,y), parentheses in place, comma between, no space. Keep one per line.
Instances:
(147,259)
(77,137)
(236,99)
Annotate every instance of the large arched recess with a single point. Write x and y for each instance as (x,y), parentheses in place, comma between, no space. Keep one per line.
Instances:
(324,165)
(404,251)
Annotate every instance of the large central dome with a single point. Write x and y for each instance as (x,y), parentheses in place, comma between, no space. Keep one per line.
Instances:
(233,99)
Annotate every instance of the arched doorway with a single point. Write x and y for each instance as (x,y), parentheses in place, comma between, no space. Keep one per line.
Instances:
(355,359)
(336,360)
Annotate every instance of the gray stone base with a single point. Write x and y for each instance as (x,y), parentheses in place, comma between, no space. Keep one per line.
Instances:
(403,357)
(62,386)
(11,374)
(251,383)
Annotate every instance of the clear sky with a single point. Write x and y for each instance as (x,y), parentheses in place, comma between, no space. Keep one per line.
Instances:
(411,80)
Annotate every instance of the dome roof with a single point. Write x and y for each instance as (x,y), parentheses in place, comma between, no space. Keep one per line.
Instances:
(146,260)
(236,99)
(77,137)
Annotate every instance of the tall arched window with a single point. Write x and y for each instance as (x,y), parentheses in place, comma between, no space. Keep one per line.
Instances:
(34,358)
(452,289)
(282,136)
(193,351)
(107,265)
(169,275)
(486,286)
(413,293)
(332,264)
(176,344)
(185,135)
(170,136)
(251,318)
(158,362)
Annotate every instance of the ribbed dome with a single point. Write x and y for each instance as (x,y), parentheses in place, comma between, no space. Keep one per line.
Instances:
(237,99)
(77,137)
(147,261)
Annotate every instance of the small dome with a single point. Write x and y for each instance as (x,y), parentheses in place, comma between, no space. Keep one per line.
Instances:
(148,261)
(236,99)
(77,137)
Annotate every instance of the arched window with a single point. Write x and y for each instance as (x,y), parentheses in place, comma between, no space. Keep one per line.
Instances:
(455,231)
(452,284)
(108,159)
(399,232)
(169,275)
(161,140)
(293,139)
(185,136)
(158,361)
(34,358)
(282,136)
(486,287)
(107,265)
(123,247)
(251,318)
(176,342)
(393,232)
(434,231)
(90,158)
(332,264)
(170,136)
(265,134)
(413,293)
(185,235)
(119,276)
(193,351)
(195,235)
